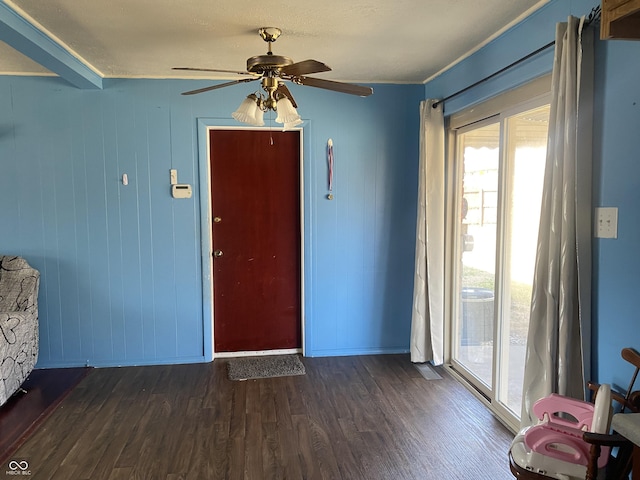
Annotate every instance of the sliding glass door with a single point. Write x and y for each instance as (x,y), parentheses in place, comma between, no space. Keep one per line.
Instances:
(498,186)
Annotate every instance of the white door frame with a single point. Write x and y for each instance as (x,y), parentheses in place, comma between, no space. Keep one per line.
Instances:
(205,125)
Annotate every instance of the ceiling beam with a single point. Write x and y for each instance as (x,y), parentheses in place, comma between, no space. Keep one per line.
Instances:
(18,33)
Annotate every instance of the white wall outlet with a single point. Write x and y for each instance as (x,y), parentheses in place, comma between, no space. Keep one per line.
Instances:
(606,222)
(173,176)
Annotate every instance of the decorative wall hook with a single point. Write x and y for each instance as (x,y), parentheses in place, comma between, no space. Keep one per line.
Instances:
(330,162)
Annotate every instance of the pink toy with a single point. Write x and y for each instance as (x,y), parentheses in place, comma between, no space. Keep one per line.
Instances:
(561,438)
(554,447)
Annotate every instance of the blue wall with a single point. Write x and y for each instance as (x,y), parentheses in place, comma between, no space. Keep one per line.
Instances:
(121,265)
(617,184)
(616,143)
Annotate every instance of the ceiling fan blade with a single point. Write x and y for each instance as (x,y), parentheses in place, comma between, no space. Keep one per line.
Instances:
(192,69)
(221,85)
(305,67)
(283,90)
(349,88)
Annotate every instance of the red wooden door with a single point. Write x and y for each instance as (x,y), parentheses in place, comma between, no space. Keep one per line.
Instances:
(255,197)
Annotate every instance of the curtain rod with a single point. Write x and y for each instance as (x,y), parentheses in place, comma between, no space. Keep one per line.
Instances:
(594,16)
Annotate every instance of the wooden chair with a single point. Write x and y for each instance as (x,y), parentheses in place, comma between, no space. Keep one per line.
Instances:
(620,460)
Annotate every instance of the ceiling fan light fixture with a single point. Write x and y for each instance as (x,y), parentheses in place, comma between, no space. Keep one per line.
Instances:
(273,71)
(287,113)
(249,112)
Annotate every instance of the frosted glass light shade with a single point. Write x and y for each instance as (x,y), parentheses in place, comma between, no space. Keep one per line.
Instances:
(290,125)
(259,118)
(248,110)
(287,114)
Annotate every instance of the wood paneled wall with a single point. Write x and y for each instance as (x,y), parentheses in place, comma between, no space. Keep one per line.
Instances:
(121,265)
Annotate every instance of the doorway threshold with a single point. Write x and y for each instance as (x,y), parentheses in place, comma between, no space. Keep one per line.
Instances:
(258,353)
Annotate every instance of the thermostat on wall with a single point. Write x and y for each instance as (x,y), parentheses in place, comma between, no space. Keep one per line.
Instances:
(181,190)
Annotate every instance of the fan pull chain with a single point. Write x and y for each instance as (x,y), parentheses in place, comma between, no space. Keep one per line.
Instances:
(270,129)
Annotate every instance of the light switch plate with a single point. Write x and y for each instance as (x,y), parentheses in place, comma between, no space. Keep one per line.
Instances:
(606,222)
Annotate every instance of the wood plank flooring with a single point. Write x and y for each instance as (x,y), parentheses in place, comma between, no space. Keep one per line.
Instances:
(23,412)
(365,417)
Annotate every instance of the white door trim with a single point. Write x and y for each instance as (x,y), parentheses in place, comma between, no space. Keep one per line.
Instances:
(205,125)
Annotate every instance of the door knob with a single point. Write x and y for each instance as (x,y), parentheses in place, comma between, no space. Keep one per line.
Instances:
(217,219)
(217,253)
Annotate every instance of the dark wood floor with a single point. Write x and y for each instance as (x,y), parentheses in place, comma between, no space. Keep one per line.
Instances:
(40,394)
(370,417)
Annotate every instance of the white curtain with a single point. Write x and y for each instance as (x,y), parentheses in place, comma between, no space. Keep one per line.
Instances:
(558,344)
(427,320)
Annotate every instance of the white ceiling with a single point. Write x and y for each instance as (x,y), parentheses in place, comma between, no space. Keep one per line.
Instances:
(394,41)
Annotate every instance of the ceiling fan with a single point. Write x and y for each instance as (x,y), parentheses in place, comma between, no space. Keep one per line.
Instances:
(272,70)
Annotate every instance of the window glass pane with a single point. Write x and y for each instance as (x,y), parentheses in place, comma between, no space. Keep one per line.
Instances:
(525,146)
(476,258)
